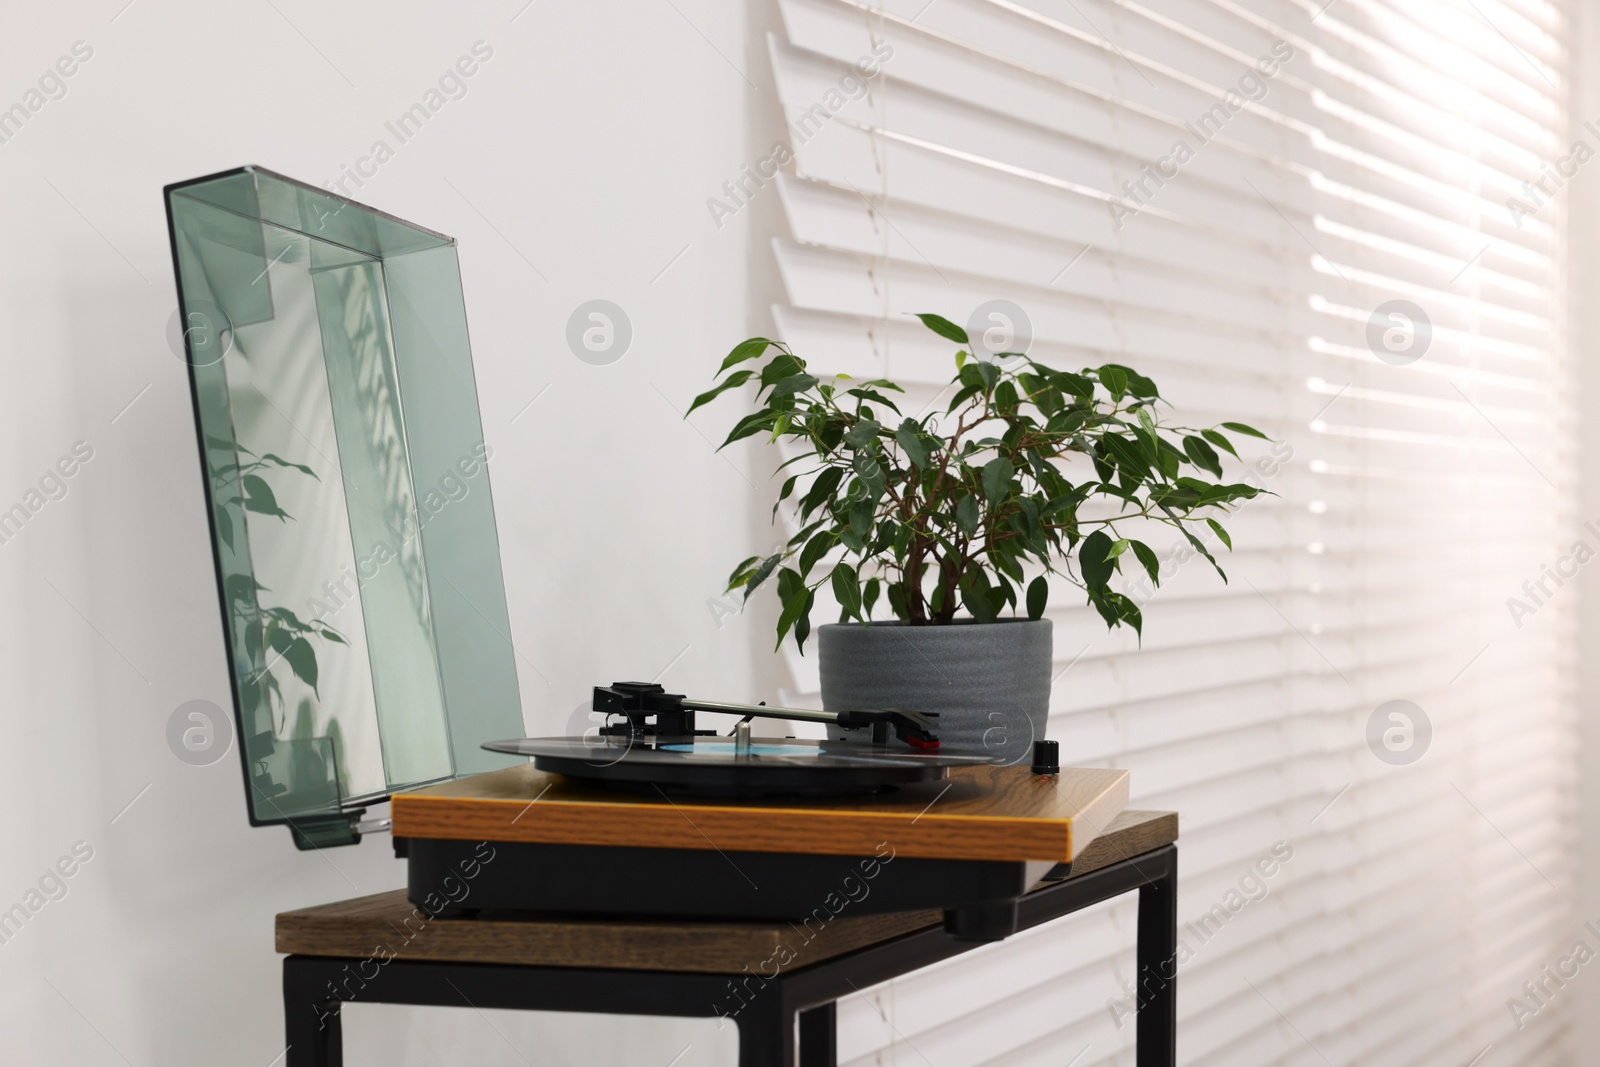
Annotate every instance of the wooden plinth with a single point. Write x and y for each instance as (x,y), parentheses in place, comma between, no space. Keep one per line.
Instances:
(979,813)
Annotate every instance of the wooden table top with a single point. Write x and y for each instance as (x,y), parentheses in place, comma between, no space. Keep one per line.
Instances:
(978,813)
(386,925)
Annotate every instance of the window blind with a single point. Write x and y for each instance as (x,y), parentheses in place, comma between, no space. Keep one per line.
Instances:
(1232,197)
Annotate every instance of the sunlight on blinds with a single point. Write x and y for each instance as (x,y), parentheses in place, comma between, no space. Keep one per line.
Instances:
(1341,224)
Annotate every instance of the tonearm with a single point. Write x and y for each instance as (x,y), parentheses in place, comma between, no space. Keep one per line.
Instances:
(637,702)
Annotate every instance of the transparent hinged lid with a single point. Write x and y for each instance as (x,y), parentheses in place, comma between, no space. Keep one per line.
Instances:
(347,482)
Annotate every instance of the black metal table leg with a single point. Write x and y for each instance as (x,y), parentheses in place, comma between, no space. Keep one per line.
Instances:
(311,1019)
(819,1036)
(766,1032)
(1157,1021)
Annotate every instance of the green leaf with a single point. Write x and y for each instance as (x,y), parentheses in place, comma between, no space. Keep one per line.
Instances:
(869,598)
(815,549)
(802,625)
(1248,431)
(742,572)
(997,479)
(1128,456)
(734,381)
(1005,592)
(1005,397)
(760,575)
(945,328)
(871,473)
(872,394)
(302,660)
(1202,455)
(224,524)
(783,494)
(1118,547)
(332,635)
(861,514)
(744,350)
(911,444)
(1008,566)
(788,583)
(792,588)
(1222,535)
(1168,458)
(897,601)
(1147,556)
(1029,515)
(1038,594)
(781,367)
(967,515)
(1076,384)
(976,594)
(862,433)
(1220,441)
(847,591)
(821,490)
(1137,384)
(1194,542)
(1094,560)
(964,395)
(1101,599)
(1126,611)
(795,383)
(1061,505)
(1115,379)
(749,426)
(1046,397)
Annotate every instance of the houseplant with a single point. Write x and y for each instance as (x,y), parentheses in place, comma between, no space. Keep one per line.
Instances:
(928,518)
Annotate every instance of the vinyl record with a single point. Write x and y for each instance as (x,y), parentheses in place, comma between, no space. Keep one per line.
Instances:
(714,766)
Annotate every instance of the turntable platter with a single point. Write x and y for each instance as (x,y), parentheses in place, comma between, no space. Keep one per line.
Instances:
(717,766)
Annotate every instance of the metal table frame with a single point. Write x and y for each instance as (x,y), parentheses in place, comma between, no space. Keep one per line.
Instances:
(315,987)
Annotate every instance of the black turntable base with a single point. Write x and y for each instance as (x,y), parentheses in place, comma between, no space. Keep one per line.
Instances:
(537,880)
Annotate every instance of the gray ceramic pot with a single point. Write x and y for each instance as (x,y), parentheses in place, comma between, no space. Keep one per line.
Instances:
(989,682)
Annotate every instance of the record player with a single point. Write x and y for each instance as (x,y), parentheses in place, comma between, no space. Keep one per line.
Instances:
(661,818)
(364,613)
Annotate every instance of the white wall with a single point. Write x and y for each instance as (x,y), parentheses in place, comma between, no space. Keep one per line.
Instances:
(583,151)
